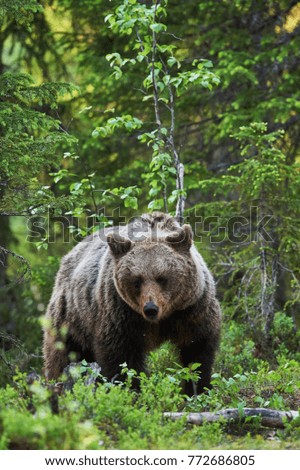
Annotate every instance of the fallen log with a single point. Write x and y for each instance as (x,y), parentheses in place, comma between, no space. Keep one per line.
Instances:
(268,418)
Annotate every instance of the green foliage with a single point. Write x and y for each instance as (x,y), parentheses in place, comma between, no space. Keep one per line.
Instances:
(112,416)
(150,99)
(29,140)
(261,239)
(21,12)
(127,122)
(163,83)
(286,336)
(21,347)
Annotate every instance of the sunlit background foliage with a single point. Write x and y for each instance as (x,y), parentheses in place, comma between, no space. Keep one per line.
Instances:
(97,98)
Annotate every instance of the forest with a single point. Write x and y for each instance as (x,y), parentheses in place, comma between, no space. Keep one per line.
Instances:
(113,109)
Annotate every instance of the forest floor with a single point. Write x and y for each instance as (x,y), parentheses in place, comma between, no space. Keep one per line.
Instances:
(37,415)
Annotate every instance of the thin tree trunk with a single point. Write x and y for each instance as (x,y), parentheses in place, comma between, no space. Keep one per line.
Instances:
(269,275)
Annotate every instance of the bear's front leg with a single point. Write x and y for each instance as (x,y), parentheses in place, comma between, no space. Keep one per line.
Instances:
(55,357)
(202,352)
(111,357)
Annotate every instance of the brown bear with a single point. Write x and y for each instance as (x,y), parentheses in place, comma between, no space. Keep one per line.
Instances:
(123,291)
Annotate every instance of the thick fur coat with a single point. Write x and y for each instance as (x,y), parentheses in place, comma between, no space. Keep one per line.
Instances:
(124,291)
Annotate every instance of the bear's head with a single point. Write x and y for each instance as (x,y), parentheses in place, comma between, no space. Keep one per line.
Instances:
(157,275)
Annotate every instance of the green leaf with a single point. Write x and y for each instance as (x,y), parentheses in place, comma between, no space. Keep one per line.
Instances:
(172,61)
(131,202)
(158,27)
(108,17)
(95,133)
(195,366)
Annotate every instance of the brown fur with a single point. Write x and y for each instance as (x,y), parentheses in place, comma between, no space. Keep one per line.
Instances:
(105,282)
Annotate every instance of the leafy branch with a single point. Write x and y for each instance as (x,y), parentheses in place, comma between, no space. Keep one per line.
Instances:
(163,83)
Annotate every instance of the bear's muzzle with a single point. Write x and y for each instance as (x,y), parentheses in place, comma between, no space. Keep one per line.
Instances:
(151,310)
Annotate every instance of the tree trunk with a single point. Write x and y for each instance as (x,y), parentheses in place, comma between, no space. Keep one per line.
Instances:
(5,238)
(269,267)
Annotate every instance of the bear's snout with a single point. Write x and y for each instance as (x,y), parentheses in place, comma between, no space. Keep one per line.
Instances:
(150,310)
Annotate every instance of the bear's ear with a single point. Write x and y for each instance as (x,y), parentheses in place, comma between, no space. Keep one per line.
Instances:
(182,239)
(119,245)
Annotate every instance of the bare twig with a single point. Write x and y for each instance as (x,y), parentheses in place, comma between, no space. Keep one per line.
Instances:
(14,342)
(285,268)
(26,267)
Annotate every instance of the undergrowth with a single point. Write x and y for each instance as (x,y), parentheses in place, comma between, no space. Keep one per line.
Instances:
(36,415)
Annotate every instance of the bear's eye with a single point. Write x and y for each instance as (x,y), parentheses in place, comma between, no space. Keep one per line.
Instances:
(137,283)
(162,281)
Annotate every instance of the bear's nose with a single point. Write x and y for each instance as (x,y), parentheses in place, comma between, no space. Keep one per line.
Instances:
(150,310)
